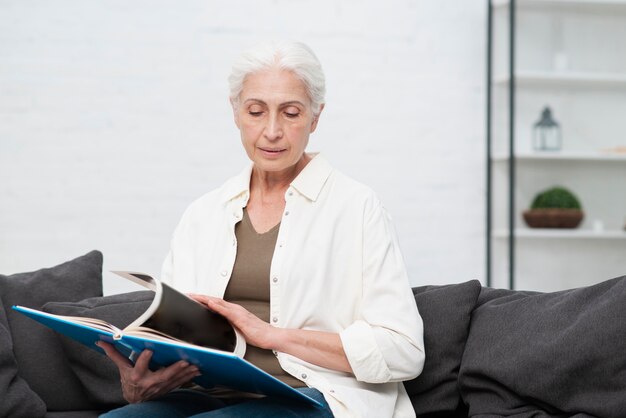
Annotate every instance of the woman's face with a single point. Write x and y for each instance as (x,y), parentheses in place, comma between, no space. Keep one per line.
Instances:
(275,119)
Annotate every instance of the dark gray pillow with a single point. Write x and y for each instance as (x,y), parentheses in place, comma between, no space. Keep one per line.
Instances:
(446,312)
(548,354)
(98,375)
(18,400)
(38,352)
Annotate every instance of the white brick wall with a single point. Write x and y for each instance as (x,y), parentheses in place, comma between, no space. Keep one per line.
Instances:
(114,117)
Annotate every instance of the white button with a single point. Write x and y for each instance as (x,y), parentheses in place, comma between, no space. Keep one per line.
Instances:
(286,213)
(290,193)
(275,353)
(275,279)
(275,319)
(303,375)
(332,391)
(234,242)
(224,273)
(280,245)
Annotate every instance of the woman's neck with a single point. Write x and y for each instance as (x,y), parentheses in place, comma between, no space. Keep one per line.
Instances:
(276,182)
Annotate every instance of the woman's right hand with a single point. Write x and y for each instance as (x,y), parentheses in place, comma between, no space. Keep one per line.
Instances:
(139,383)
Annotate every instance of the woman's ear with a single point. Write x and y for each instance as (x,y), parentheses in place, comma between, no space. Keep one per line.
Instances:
(317,118)
(235,108)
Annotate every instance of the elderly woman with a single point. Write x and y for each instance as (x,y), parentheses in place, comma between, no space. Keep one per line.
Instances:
(301,259)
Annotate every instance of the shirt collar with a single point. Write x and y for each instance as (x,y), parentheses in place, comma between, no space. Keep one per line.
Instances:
(238,185)
(309,182)
(311,179)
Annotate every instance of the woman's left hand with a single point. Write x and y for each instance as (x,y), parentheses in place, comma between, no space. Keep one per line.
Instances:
(256,332)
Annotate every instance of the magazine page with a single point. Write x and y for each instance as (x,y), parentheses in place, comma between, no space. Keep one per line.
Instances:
(187,320)
(177,315)
(85,322)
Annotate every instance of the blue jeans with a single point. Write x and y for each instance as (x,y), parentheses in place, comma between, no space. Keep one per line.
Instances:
(186,403)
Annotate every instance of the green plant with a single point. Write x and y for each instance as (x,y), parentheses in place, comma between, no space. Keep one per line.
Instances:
(556,197)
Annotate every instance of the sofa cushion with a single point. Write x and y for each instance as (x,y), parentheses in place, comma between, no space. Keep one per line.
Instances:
(446,312)
(488,293)
(99,375)
(18,400)
(548,354)
(38,352)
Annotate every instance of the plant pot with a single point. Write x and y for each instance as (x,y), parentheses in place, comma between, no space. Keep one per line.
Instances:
(553,218)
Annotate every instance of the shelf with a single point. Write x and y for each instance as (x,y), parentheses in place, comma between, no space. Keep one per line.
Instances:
(565,54)
(563,156)
(561,233)
(564,79)
(564,4)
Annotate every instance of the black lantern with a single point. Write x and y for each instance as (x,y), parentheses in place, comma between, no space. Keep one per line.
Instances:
(546,133)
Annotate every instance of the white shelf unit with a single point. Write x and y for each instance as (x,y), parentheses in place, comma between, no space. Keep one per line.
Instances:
(564,79)
(541,233)
(569,55)
(561,156)
(593,5)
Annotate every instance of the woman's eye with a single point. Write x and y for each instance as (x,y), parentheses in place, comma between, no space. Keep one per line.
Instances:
(291,115)
(251,113)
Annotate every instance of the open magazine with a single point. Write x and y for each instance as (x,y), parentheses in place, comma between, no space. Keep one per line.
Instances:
(175,327)
(173,315)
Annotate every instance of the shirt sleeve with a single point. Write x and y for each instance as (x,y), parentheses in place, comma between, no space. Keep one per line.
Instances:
(385,343)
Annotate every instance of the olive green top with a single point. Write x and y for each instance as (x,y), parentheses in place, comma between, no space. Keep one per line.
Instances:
(249,286)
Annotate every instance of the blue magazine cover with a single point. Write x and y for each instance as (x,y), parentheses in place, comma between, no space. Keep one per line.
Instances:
(218,367)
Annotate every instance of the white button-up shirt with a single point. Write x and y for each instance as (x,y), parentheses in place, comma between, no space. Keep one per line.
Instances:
(336,267)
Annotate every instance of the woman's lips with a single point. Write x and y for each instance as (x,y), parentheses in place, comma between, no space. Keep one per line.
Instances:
(271,152)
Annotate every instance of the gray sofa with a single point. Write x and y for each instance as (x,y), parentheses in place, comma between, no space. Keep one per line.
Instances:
(489,352)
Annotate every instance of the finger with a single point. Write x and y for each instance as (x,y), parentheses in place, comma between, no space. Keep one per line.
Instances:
(203,299)
(142,364)
(117,357)
(196,295)
(181,380)
(218,305)
(176,369)
(160,382)
(218,301)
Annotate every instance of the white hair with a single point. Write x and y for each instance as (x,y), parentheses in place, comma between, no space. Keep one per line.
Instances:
(292,56)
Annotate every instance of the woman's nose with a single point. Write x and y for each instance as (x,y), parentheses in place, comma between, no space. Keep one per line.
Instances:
(273,129)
